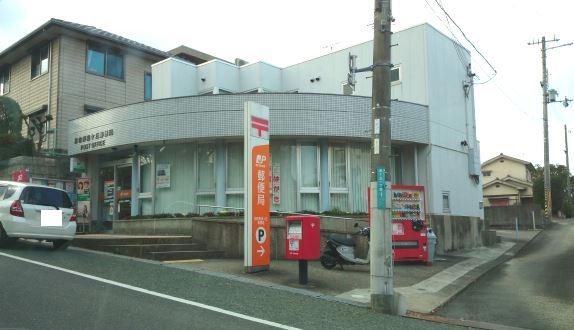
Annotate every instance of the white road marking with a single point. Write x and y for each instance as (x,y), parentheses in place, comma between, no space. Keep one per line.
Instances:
(153,293)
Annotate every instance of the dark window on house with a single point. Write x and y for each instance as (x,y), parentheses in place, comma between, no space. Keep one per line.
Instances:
(96,60)
(4,80)
(147,86)
(40,61)
(108,62)
(486,173)
(395,74)
(115,64)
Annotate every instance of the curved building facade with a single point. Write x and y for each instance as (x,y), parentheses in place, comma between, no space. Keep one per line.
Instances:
(320,150)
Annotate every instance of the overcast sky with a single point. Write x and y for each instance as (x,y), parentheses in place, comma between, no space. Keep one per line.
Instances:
(508,108)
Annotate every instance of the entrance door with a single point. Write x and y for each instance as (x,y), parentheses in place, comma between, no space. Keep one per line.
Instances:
(124,191)
(116,191)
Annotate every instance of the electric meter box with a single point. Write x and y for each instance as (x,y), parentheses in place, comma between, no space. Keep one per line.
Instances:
(303,237)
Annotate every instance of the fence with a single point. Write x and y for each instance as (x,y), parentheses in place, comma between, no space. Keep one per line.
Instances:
(529,216)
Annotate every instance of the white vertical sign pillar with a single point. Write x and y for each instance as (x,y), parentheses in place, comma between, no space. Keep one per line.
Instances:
(257,224)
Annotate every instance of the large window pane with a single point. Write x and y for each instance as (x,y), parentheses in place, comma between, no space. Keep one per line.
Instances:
(285,156)
(206,167)
(339,167)
(310,202)
(95,61)
(205,200)
(235,200)
(309,166)
(115,65)
(235,166)
(145,173)
(340,202)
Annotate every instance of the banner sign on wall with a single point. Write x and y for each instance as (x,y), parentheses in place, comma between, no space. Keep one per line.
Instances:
(257,188)
(162,176)
(20,176)
(276,183)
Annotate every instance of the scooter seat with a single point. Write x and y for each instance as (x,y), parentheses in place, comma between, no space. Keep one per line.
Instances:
(341,240)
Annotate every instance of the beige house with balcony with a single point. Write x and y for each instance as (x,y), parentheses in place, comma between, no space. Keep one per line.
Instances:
(67,70)
(506,181)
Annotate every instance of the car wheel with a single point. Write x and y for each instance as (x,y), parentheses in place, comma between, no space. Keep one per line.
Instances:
(329,259)
(61,244)
(5,240)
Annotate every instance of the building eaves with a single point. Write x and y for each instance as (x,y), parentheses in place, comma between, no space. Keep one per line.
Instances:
(517,181)
(90,31)
(504,183)
(494,159)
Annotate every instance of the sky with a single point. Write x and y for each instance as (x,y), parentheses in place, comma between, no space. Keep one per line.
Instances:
(508,107)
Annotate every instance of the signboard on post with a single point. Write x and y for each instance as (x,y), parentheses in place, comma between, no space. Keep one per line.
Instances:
(257,186)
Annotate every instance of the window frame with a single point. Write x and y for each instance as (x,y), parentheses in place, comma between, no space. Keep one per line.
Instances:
(340,190)
(5,76)
(399,68)
(106,50)
(308,190)
(448,207)
(148,74)
(38,52)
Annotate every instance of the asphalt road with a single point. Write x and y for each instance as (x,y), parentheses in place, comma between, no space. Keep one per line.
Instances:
(76,289)
(534,290)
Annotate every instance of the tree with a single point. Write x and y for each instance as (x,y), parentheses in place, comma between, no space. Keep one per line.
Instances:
(12,144)
(558,178)
(37,128)
(10,117)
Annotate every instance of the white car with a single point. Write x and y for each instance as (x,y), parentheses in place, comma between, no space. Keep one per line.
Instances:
(21,206)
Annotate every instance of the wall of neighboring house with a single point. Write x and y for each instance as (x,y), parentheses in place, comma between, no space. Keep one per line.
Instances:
(79,88)
(502,169)
(33,94)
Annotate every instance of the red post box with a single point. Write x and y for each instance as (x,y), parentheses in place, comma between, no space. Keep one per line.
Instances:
(303,241)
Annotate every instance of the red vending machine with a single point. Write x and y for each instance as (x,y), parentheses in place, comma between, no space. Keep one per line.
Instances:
(408,213)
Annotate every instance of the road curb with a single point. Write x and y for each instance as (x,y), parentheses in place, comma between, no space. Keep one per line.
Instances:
(479,271)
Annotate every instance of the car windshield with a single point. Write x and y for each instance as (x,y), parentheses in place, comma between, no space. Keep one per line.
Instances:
(46,196)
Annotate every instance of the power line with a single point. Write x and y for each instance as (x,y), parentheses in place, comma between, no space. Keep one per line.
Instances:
(464,35)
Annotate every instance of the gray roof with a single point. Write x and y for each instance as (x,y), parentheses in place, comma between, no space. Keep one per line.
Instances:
(90,31)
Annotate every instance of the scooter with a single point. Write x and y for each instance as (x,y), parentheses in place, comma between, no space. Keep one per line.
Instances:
(341,250)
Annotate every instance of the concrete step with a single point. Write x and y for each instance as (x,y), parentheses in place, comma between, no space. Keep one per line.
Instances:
(96,241)
(138,250)
(183,255)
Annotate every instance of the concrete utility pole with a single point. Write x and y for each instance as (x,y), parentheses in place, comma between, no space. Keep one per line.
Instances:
(545,101)
(382,286)
(567,164)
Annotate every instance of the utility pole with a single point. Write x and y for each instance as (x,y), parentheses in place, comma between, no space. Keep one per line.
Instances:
(545,101)
(568,191)
(381,245)
(381,248)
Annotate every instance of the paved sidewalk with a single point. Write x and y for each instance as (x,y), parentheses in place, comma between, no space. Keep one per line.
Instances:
(421,288)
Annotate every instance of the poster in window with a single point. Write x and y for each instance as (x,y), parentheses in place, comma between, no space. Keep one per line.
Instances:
(83,196)
(276,183)
(163,176)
